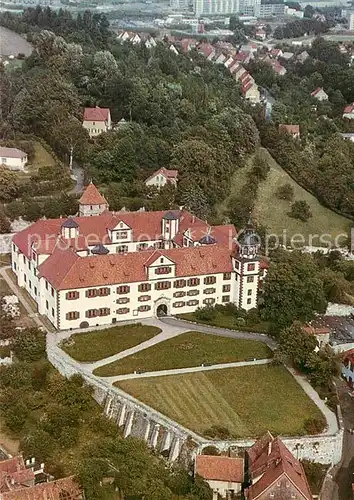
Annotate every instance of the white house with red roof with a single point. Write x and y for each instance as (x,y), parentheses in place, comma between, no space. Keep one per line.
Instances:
(97,120)
(293,130)
(162,177)
(13,158)
(105,266)
(349,112)
(319,94)
(224,475)
(274,472)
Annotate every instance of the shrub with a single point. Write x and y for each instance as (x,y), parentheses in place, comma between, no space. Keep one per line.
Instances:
(29,345)
(207,313)
(39,444)
(300,210)
(15,416)
(210,450)
(218,431)
(314,425)
(285,192)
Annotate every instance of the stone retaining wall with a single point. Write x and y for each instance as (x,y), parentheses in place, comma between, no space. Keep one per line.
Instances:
(167,436)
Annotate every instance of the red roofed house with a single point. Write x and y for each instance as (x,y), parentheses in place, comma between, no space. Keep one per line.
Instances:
(349,112)
(348,367)
(223,474)
(13,158)
(15,475)
(92,202)
(293,130)
(274,472)
(322,335)
(319,94)
(97,120)
(162,177)
(207,50)
(104,266)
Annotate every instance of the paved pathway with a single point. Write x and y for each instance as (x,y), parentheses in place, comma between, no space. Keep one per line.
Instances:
(181,371)
(21,296)
(224,332)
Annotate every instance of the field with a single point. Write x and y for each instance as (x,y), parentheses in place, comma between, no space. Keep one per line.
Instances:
(272,212)
(247,401)
(100,344)
(187,350)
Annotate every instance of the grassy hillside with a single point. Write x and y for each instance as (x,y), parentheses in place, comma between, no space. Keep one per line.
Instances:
(272,212)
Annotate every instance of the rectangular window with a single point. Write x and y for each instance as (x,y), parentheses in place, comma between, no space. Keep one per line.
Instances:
(226,288)
(30,284)
(209,301)
(104,311)
(249,292)
(193,281)
(123,289)
(251,267)
(52,291)
(123,300)
(46,285)
(122,249)
(179,294)
(144,298)
(249,301)
(237,265)
(35,290)
(144,308)
(122,235)
(142,246)
(13,247)
(123,310)
(193,292)
(144,287)
(46,304)
(34,256)
(162,285)
(179,304)
(15,266)
(163,270)
(250,279)
(159,244)
(91,313)
(70,315)
(227,276)
(29,264)
(91,293)
(72,295)
(53,312)
(209,291)
(209,280)
(25,278)
(193,303)
(226,298)
(102,292)
(179,283)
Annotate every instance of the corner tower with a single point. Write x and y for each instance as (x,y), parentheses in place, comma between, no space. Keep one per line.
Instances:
(247,267)
(92,202)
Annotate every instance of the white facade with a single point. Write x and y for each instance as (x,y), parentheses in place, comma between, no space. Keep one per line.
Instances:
(348,370)
(206,7)
(13,162)
(320,95)
(250,7)
(222,488)
(96,127)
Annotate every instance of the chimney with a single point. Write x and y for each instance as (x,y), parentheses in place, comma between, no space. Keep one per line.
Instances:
(269,447)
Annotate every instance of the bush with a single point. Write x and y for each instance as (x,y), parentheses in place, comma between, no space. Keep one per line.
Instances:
(314,425)
(16,415)
(218,431)
(285,192)
(210,450)
(39,444)
(207,313)
(29,345)
(300,210)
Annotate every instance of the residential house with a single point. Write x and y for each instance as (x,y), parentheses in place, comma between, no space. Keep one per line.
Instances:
(320,94)
(250,91)
(114,266)
(13,158)
(224,475)
(349,112)
(274,473)
(322,335)
(293,130)
(91,203)
(15,475)
(287,56)
(301,58)
(243,57)
(97,120)
(276,53)
(207,50)
(277,67)
(220,59)
(173,49)
(260,34)
(348,367)
(162,177)
(348,136)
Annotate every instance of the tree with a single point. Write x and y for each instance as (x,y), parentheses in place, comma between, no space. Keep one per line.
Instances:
(29,345)
(293,289)
(193,198)
(16,415)
(296,345)
(285,192)
(8,185)
(300,210)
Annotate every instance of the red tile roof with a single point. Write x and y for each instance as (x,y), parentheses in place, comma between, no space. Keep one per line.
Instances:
(315,92)
(61,489)
(349,109)
(170,174)
(219,468)
(271,459)
(65,270)
(13,474)
(96,114)
(11,153)
(92,196)
(291,129)
(316,331)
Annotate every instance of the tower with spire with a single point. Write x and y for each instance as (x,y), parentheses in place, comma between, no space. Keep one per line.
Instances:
(92,202)
(247,267)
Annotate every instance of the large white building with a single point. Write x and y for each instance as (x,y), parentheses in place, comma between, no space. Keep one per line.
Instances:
(213,7)
(107,266)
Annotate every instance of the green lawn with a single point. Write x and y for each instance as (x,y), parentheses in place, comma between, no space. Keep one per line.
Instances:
(247,401)
(100,344)
(223,320)
(272,212)
(187,350)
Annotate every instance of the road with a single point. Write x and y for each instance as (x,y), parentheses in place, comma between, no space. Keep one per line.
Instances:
(223,332)
(13,43)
